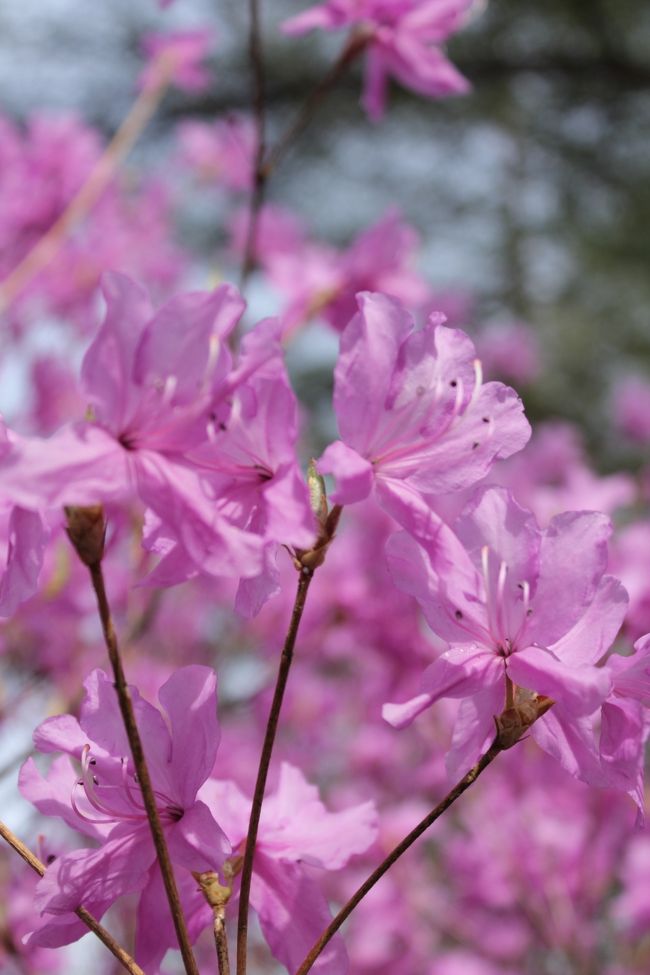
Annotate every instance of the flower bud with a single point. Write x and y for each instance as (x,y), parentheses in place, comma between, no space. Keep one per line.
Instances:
(86,530)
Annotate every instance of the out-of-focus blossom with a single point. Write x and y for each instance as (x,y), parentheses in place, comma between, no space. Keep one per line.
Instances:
(18,883)
(515,604)
(631,408)
(632,905)
(178,57)
(322,282)
(414,416)
(631,563)
(462,962)
(104,803)
(57,395)
(296,834)
(456,304)
(22,545)
(554,475)
(529,842)
(404,40)
(625,724)
(510,350)
(41,170)
(279,232)
(220,152)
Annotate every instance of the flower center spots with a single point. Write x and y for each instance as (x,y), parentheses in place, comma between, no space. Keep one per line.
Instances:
(116,800)
(127,440)
(507,606)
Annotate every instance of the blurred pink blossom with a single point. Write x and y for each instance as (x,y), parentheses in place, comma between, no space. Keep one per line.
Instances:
(631,408)
(404,40)
(179,56)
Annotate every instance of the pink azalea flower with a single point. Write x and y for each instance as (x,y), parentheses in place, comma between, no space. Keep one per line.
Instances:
(157,384)
(183,51)
(297,833)
(251,467)
(220,152)
(512,601)
(404,40)
(414,417)
(104,803)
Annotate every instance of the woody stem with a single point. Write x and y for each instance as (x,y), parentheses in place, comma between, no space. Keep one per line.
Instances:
(397,852)
(221,941)
(256,58)
(286,658)
(354,46)
(142,769)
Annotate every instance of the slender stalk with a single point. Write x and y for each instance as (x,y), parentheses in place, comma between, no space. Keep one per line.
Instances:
(396,853)
(217,894)
(122,956)
(256,57)
(352,49)
(286,658)
(221,942)
(142,770)
(120,145)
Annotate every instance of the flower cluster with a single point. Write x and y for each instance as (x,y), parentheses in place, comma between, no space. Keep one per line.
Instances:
(457,590)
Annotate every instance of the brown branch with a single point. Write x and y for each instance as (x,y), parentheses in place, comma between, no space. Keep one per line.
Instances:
(221,942)
(86,529)
(286,658)
(396,853)
(256,56)
(217,895)
(355,45)
(522,709)
(116,949)
(266,164)
(142,769)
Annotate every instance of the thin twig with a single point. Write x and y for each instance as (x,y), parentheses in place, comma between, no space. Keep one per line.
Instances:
(142,770)
(221,942)
(217,894)
(304,580)
(396,853)
(120,145)
(354,46)
(256,56)
(122,956)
